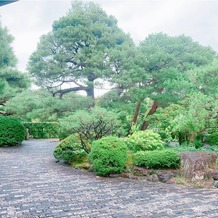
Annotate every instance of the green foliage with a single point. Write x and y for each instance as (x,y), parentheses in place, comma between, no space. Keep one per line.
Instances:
(43,130)
(41,106)
(108,155)
(83,41)
(12,132)
(7,57)
(70,149)
(157,159)
(91,125)
(212,139)
(144,141)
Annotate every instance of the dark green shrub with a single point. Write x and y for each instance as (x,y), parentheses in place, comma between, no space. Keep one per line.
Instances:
(198,143)
(70,149)
(212,139)
(12,132)
(108,155)
(43,130)
(144,141)
(157,159)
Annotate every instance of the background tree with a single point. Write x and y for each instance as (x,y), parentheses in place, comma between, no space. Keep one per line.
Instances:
(40,106)
(77,51)
(11,80)
(165,61)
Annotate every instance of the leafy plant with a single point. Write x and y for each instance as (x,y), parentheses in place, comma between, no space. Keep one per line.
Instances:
(108,155)
(12,132)
(70,149)
(157,159)
(144,141)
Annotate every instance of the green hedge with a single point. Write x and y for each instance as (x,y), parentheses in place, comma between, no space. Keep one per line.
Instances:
(43,130)
(157,159)
(108,155)
(12,132)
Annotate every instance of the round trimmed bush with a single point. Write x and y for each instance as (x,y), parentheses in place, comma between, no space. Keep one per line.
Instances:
(70,149)
(108,155)
(12,132)
(144,141)
(157,159)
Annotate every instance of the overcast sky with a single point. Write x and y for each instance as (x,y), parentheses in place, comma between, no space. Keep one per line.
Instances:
(27,20)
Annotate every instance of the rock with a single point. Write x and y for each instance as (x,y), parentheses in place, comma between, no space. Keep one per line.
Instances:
(164,176)
(216,184)
(195,165)
(213,174)
(140,171)
(153,178)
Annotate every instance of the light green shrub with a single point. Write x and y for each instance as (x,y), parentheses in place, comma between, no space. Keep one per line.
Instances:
(144,141)
(70,149)
(108,155)
(12,132)
(157,159)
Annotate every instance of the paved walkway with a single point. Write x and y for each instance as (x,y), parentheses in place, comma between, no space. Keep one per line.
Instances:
(33,185)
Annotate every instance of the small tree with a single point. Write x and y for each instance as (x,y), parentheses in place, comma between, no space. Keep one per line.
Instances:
(91,125)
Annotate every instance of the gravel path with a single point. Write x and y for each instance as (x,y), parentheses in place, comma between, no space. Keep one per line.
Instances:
(32,184)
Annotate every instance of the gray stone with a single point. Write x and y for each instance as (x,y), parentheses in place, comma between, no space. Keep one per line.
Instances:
(164,176)
(194,164)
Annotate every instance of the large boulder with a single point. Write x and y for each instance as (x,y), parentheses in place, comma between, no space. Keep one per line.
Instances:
(197,165)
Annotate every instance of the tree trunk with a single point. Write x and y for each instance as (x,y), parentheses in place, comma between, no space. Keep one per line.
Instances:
(90,89)
(135,115)
(136,112)
(151,111)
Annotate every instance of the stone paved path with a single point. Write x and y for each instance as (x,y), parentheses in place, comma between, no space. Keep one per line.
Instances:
(33,185)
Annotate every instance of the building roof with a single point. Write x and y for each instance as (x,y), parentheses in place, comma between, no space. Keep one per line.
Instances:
(4,2)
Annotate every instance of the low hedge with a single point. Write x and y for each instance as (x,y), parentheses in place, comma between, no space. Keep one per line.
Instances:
(108,155)
(162,159)
(43,130)
(12,132)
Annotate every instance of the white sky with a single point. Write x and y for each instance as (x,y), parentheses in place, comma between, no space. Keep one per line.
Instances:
(27,20)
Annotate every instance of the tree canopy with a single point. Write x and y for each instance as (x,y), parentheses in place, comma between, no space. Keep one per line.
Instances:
(77,50)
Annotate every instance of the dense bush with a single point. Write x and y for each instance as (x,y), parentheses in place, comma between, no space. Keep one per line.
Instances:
(212,139)
(70,149)
(108,155)
(12,132)
(43,130)
(144,141)
(157,159)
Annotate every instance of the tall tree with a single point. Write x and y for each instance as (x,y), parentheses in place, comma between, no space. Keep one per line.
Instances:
(165,61)
(11,80)
(77,51)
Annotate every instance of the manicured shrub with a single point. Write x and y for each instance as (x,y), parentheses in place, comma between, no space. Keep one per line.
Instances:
(70,149)
(12,132)
(157,159)
(43,130)
(144,141)
(108,155)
